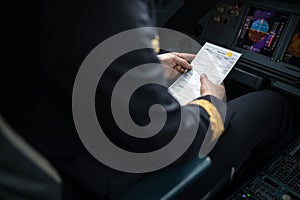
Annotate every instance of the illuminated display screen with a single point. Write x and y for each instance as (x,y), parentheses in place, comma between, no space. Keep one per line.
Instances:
(261,31)
(292,54)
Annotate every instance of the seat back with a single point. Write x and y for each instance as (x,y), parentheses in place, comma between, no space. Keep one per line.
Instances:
(169,183)
(25,173)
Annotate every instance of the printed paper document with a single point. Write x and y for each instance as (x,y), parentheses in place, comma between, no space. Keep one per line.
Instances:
(212,60)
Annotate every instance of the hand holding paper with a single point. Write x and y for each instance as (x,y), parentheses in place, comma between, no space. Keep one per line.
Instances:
(209,88)
(212,60)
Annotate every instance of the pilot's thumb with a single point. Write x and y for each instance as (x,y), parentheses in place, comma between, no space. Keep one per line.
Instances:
(203,79)
(205,85)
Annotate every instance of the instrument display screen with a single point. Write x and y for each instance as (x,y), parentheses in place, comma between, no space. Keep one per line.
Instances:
(261,30)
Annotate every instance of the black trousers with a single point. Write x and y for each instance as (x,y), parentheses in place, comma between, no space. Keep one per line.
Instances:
(262,123)
(262,120)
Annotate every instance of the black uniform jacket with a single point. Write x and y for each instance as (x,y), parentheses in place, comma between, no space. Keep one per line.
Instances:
(43,48)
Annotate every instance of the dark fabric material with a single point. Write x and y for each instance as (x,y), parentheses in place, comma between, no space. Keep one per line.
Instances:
(261,124)
(45,44)
(21,178)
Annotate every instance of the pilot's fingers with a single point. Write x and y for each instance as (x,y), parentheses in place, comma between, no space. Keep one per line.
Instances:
(179,69)
(182,62)
(187,56)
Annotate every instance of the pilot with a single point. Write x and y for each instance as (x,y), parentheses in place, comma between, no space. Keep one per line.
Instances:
(44,50)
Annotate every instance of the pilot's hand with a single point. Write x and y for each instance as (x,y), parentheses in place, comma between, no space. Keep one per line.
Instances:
(175,63)
(209,88)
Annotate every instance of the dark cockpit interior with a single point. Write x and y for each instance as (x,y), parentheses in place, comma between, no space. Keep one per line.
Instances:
(266,32)
(271,62)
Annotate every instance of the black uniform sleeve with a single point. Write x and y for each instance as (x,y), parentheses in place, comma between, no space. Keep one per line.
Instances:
(189,118)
